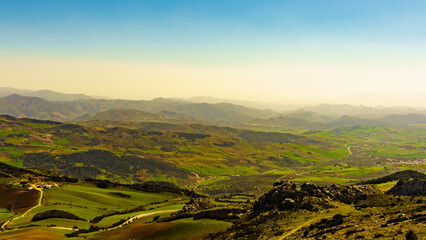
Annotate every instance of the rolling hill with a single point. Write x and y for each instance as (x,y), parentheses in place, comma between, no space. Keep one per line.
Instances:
(339,110)
(34,107)
(404,119)
(44,94)
(122,114)
(156,150)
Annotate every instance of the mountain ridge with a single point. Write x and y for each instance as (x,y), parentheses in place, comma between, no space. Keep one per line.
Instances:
(34,107)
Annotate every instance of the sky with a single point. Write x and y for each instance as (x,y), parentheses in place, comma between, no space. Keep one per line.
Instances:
(272,51)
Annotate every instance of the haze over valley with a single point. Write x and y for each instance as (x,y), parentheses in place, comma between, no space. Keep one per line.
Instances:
(211,120)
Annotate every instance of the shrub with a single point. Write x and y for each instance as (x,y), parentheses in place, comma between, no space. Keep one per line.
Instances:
(119,194)
(410,235)
(55,214)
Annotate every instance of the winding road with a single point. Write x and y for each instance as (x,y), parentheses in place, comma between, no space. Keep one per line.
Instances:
(141,215)
(3,227)
(349,149)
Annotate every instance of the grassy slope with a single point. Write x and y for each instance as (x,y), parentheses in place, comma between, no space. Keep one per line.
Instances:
(34,233)
(179,230)
(87,201)
(205,156)
(311,157)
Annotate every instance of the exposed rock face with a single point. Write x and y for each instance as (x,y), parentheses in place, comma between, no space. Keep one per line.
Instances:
(350,194)
(315,190)
(196,204)
(285,196)
(415,187)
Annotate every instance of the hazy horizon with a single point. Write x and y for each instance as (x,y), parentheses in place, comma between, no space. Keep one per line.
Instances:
(386,100)
(292,52)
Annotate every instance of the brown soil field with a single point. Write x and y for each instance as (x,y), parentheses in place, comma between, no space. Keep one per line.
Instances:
(21,200)
(32,233)
(136,231)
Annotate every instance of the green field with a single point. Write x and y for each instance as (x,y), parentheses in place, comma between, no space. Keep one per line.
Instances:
(108,221)
(5,214)
(181,229)
(87,201)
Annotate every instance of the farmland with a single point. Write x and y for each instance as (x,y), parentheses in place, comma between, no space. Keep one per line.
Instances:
(108,166)
(87,202)
(210,157)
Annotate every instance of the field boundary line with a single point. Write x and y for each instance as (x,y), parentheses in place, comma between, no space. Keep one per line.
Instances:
(139,216)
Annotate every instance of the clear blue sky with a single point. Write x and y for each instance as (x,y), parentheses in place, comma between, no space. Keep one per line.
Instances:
(211,33)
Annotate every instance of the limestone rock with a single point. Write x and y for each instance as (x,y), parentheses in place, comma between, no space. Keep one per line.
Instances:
(350,194)
(196,204)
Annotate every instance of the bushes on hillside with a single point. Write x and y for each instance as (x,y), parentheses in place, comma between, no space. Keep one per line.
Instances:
(161,186)
(401,175)
(193,136)
(55,214)
(411,235)
(220,214)
(119,194)
(337,219)
(92,163)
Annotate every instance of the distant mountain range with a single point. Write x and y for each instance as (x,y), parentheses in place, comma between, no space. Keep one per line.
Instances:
(278,107)
(312,120)
(35,107)
(49,105)
(44,94)
(360,111)
(385,99)
(123,114)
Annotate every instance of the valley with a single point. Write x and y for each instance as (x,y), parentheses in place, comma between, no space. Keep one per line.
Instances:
(126,173)
(212,120)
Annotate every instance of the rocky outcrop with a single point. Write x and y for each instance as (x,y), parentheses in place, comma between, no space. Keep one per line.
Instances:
(346,194)
(197,204)
(351,194)
(315,190)
(414,187)
(285,196)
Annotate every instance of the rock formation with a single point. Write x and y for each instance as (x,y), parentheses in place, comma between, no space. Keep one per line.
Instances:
(414,187)
(196,204)
(285,196)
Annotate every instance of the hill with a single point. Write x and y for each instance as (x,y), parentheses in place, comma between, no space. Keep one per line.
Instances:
(44,94)
(404,119)
(5,91)
(213,159)
(185,154)
(319,121)
(137,115)
(56,96)
(321,117)
(360,111)
(401,175)
(335,212)
(33,107)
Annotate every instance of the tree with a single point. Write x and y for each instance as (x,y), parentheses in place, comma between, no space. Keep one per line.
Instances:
(10,207)
(410,235)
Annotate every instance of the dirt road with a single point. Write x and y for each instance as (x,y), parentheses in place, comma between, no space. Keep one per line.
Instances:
(3,227)
(141,215)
